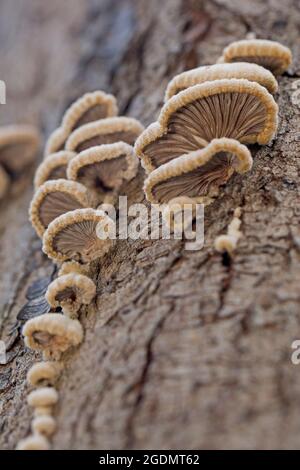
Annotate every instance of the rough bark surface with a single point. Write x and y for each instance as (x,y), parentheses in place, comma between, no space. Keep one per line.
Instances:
(181,350)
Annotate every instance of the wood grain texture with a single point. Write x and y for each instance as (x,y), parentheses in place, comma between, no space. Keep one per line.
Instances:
(181,349)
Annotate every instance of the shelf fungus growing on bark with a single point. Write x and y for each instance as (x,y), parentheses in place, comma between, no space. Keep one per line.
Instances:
(43,425)
(53,167)
(53,334)
(208,73)
(19,145)
(235,108)
(34,442)
(44,373)
(70,292)
(74,236)
(104,168)
(228,243)
(69,267)
(56,141)
(54,198)
(199,174)
(44,396)
(105,131)
(270,54)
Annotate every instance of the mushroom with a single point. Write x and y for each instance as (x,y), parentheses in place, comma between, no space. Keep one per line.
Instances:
(56,141)
(270,54)
(43,411)
(70,291)
(103,168)
(198,174)
(69,267)
(234,108)
(53,167)
(54,198)
(34,442)
(89,107)
(53,334)
(18,147)
(44,373)
(208,73)
(228,243)
(74,236)
(4,182)
(43,425)
(45,396)
(105,131)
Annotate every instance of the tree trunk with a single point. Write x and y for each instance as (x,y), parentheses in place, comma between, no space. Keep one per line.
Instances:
(182,349)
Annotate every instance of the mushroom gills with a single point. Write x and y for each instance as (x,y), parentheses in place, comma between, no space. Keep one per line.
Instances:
(103,176)
(55,204)
(98,111)
(108,138)
(269,62)
(203,181)
(240,116)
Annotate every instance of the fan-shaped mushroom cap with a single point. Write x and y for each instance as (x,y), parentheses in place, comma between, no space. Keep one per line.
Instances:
(44,425)
(53,167)
(208,73)
(198,174)
(69,267)
(34,442)
(56,141)
(104,168)
(19,145)
(45,372)
(270,54)
(73,236)
(70,292)
(236,109)
(105,131)
(52,333)
(44,396)
(54,198)
(89,107)
(4,182)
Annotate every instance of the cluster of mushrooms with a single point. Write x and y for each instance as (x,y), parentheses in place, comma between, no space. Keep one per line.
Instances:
(87,160)
(199,141)
(19,145)
(210,114)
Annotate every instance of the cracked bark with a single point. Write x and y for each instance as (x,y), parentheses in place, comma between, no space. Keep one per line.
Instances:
(189,351)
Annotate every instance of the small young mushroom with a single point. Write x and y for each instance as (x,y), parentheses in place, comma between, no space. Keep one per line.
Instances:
(70,291)
(228,243)
(45,396)
(44,373)
(4,182)
(56,141)
(53,334)
(74,236)
(103,168)
(88,108)
(44,425)
(19,145)
(34,442)
(270,54)
(53,167)
(42,411)
(208,73)
(235,108)
(56,197)
(105,131)
(69,267)
(198,174)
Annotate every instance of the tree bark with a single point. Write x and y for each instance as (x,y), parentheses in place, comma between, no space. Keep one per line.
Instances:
(182,349)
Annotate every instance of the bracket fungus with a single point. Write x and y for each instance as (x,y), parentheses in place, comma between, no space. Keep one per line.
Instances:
(44,425)
(4,182)
(270,54)
(44,373)
(74,236)
(104,168)
(53,334)
(69,267)
(54,198)
(53,167)
(208,73)
(70,291)
(56,141)
(235,108)
(198,174)
(34,442)
(19,145)
(228,243)
(89,107)
(105,131)
(44,396)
